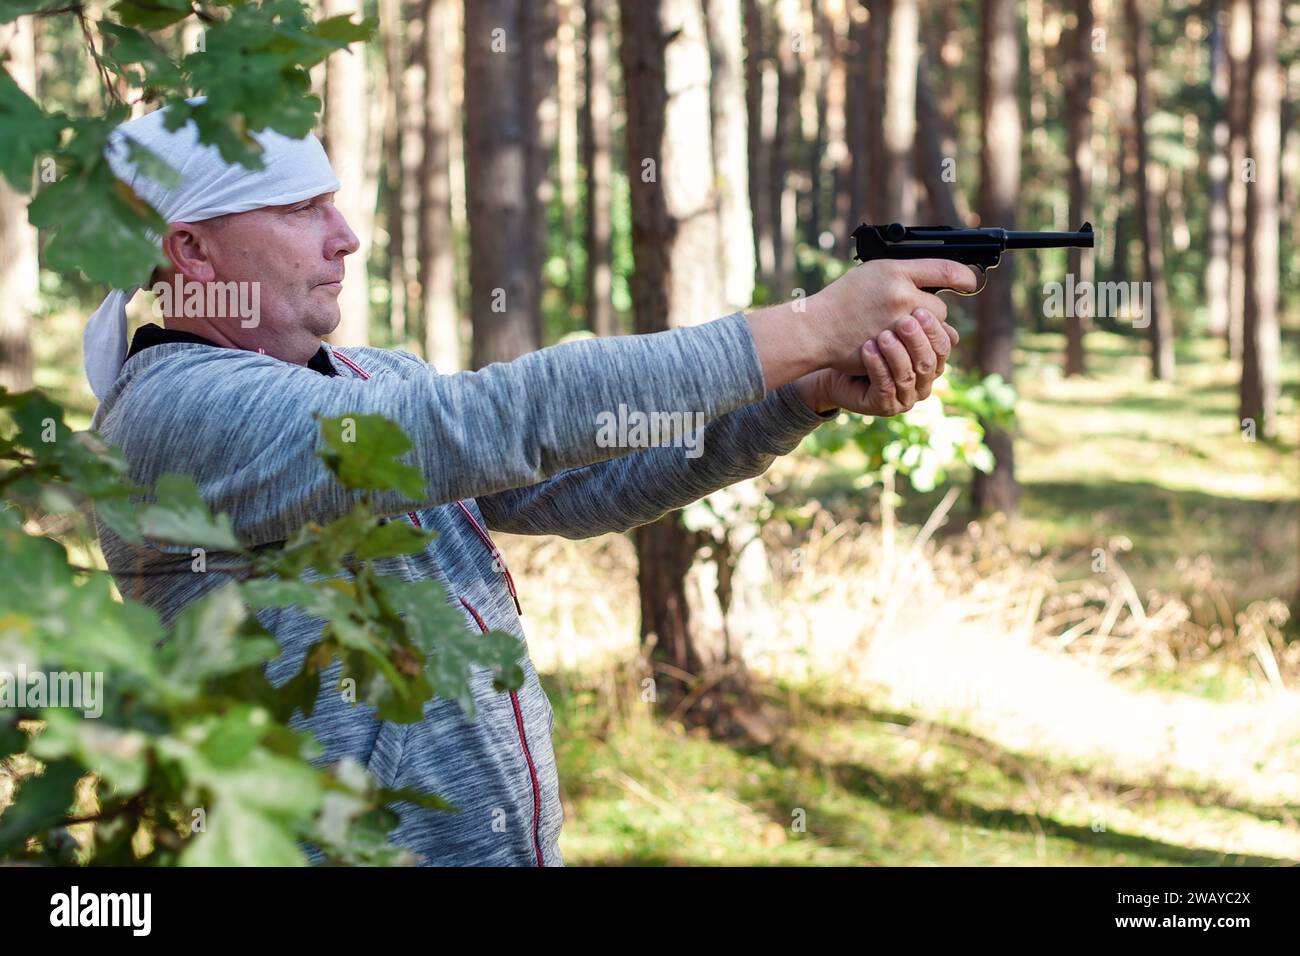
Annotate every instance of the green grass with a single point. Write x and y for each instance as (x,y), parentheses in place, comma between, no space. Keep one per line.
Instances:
(871,788)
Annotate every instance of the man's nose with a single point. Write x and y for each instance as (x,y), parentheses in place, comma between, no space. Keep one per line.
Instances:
(342,240)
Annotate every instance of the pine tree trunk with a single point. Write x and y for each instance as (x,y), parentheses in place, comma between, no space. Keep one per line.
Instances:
(933,148)
(1217,287)
(1260,386)
(540,81)
(873,102)
(19,269)
(500,135)
(346,139)
(437,253)
(761,115)
(1238,132)
(788,42)
(1150,233)
(722,21)
(597,162)
(999,192)
(1079,145)
(675,239)
(900,112)
(392,37)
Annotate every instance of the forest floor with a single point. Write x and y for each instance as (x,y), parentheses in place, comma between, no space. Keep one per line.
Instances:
(944,733)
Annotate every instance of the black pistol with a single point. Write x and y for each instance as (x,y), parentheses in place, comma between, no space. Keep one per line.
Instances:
(982,248)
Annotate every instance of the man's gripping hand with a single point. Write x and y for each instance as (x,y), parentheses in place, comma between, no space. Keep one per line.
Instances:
(901,363)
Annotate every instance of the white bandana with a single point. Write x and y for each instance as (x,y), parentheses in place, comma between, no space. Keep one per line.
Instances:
(294,170)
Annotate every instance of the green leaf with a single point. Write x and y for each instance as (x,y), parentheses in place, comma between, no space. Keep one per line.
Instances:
(363,452)
(28,132)
(99,227)
(180,516)
(207,643)
(132,47)
(42,802)
(394,538)
(151,14)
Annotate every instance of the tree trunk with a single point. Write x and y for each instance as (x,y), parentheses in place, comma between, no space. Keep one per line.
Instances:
(597,160)
(789,42)
(437,252)
(760,110)
(19,269)
(873,101)
(900,112)
(934,148)
(1217,287)
(1260,386)
(675,238)
(999,191)
(1150,234)
(1079,139)
(1238,133)
(540,80)
(500,133)
(346,139)
(394,139)
(722,20)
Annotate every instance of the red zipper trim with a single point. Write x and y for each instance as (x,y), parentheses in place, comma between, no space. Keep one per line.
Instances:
(523,740)
(497,558)
(510,583)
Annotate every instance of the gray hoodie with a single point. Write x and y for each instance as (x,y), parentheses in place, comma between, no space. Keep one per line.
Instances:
(512,447)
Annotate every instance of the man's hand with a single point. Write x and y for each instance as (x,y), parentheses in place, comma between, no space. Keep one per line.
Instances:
(830,327)
(901,365)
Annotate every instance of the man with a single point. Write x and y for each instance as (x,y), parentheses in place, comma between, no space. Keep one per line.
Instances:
(511,447)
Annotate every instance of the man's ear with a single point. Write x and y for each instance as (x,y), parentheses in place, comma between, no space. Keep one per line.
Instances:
(186,246)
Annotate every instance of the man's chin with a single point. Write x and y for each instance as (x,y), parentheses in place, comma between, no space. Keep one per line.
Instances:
(324,321)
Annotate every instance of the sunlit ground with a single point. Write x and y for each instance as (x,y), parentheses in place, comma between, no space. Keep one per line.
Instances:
(933,720)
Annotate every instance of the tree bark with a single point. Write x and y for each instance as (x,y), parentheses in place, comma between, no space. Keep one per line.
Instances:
(722,21)
(393,40)
(1238,133)
(540,81)
(789,43)
(900,112)
(934,147)
(1150,234)
(500,133)
(1260,385)
(1217,286)
(19,268)
(437,254)
(597,162)
(999,193)
(1079,145)
(761,114)
(346,139)
(675,239)
(874,53)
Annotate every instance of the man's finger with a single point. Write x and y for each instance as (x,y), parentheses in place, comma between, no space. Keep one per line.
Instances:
(882,380)
(900,366)
(917,342)
(940,274)
(933,329)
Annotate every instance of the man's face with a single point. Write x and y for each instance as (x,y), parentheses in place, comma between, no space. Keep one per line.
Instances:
(295,253)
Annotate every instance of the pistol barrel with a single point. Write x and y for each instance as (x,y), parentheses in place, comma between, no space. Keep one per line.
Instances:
(1051,240)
